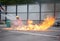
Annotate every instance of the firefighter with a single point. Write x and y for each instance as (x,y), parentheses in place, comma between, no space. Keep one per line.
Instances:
(17,22)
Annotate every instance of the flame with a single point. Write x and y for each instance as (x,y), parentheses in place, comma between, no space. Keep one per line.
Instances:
(46,24)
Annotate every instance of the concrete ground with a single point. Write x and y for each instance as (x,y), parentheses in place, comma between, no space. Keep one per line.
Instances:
(30,35)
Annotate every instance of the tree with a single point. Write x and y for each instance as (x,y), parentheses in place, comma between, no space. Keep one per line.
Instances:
(11,2)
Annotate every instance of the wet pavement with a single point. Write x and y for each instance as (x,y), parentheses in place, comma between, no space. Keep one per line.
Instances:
(30,35)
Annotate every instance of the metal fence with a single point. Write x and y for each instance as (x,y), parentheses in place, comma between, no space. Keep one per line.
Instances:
(35,12)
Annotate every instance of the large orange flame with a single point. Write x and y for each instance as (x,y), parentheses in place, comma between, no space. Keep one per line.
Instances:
(47,23)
